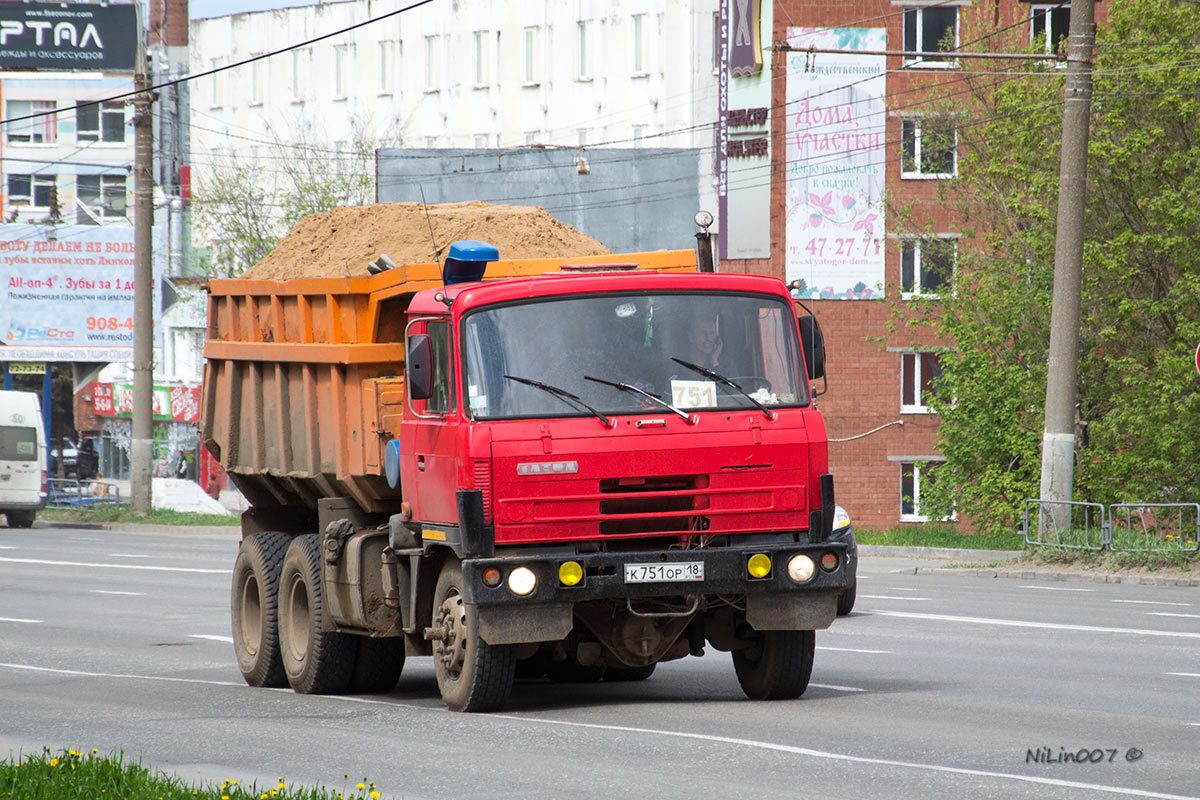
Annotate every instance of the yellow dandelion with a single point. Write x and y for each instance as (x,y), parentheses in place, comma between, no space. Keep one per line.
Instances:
(362,786)
(95,750)
(54,762)
(375,795)
(224,797)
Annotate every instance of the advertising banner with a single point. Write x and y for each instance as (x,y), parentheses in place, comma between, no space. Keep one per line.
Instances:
(836,159)
(68,36)
(68,293)
(173,403)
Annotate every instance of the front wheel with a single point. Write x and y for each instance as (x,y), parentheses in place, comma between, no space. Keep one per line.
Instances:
(472,675)
(316,661)
(777,666)
(20,519)
(845,601)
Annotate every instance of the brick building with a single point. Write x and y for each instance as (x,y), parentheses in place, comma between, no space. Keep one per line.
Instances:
(853,167)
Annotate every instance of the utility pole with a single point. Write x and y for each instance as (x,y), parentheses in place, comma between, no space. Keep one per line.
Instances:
(1058,438)
(141,446)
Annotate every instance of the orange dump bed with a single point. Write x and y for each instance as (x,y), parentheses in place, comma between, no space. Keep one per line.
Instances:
(304,379)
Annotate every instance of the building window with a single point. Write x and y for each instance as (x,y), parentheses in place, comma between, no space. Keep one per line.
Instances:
(639,44)
(531,56)
(1048,26)
(927,266)
(216,82)
(481,58)
(256,80)
(481,141)
(386,58)
(918,373)
(932,29)
(37,191)
(100,197)
(639,133)
(928,148)
(716,42)
(341,70)
(431,65)
(582,134)
(100,122)
(40,130)
(531,137)
(585,50)
(300,61)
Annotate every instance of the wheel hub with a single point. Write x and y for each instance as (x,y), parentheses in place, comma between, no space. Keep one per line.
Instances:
(450,646)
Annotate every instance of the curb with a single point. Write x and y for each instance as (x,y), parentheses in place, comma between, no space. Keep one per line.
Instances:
(1046,575)
(949,553)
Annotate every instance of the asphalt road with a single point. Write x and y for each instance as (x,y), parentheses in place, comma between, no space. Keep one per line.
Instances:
(937,686)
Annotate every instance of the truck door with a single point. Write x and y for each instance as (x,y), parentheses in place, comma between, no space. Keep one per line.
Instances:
(429,434)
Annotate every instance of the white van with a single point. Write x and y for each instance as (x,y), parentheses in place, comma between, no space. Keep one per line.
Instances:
(22,458)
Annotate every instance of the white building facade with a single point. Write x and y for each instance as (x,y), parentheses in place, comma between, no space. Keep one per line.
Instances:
(451,74)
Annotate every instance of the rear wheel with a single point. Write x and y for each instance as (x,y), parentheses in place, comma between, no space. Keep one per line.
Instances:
(472,675)
(777,666)
(315,661)
(254,607)
(20,519)
(378,666)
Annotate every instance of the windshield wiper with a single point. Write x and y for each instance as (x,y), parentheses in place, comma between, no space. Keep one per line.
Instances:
(721,379)
(564,395)
(625,387)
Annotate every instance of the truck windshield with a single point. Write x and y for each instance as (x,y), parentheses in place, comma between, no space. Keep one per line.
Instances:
(569,343)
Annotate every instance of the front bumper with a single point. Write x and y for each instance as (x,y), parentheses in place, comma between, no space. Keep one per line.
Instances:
(725,573)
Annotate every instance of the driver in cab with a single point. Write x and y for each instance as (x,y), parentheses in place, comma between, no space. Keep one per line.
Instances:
(704,342)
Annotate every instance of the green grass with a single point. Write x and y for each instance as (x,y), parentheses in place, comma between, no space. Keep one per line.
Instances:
(72,775)
(157,516)
(939,536)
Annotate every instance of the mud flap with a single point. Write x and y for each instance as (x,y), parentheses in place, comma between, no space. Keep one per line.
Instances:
(549,622)
(789,612)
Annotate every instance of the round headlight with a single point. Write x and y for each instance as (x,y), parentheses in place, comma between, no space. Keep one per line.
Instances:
(522,581)
(800,568)
(570,573)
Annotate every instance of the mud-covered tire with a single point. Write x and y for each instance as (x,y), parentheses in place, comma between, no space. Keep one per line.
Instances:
(315,661)
(625,674)
(777,666)
(472,675)
(845,601)
(378,666)
(254,605)
(20,519)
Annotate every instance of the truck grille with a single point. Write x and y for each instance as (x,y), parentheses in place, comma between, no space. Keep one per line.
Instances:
(648,505)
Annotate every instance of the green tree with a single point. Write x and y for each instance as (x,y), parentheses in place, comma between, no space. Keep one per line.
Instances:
(1138,399)
(243,207)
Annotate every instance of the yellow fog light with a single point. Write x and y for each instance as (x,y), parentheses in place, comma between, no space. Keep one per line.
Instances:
(521,581)
(759,565)
(570,573)
(801,568)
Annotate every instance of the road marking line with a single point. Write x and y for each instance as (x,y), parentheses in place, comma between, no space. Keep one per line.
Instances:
(1171,614)
(82,674)
(15,619)
(114,566)
(212,637)
(1184,674)
(1015,623)
(128,555)
(852,650)
(106,591)
(884,762)
(889,597)
(1056,589)
(1150,602)
(836,688)
(7,547)
(749,743)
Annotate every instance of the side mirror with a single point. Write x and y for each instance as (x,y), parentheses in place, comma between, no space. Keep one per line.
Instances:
(813,342)
(419,367)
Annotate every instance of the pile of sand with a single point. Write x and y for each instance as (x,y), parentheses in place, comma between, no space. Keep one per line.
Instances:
(343,241)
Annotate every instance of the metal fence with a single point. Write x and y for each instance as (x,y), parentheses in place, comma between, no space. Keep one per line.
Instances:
(1132,527)
(67,493)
